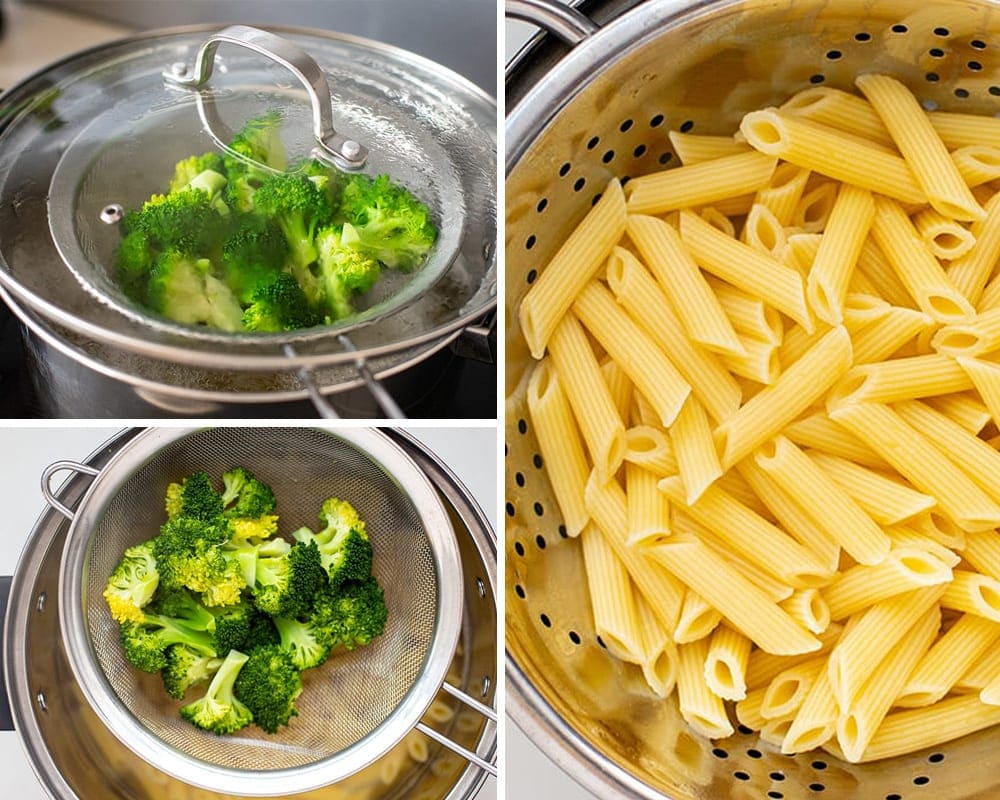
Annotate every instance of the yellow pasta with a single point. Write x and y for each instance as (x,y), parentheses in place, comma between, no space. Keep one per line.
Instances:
(809,609)
(787,692)
(650,449)
(799,386)
(762,231)
(970,273)
(944,237)
(750,316)
(978,336)
(844,235)
(559,443)
(619,386)
(841,110)
(697,620)
(699,184)
(921,146)
(833,153)
(659,654)
(963,409)
(616,619)
(691,436)
(577,261)
(745,268)
(595,411)
(645,364)
(875,267)
(963,130)
(697,306)
(812,213)
(819,432)
(915,266)
(982,551)
(815,720)
(703,710)
(782,194)
(973,593)
(981,673)
(760,362)
(985,376)
(902,379)
(693,148)
(726,663)
(648,510)
(977,164)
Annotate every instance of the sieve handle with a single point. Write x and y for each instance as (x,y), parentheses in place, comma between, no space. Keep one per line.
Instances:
(49,493)
(342,150)
(557,18)
(440,738)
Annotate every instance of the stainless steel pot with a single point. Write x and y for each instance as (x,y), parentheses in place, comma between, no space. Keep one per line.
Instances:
(76,758)
(104,127)
(594,102)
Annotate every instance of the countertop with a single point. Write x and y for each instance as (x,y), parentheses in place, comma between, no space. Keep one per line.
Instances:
(26,451)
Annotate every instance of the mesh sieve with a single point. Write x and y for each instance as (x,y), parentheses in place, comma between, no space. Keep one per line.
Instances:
(353,708)
(604,110)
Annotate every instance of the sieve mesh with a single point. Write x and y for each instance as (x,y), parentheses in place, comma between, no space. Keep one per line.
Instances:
(696,69)
(353,693)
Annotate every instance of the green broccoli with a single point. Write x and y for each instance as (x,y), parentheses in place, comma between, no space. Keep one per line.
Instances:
(185,221)
(269,684)
(386,222)
(308,644)
(186,668)
(132,583)
(231,626)
(252,256)
(243,495)
(262,632)
(188,553)
(299,207)
(259,141)
(285,584)
(219,711)
(133,262)
(228,625)
(343,544)
(280,306)
(186,291)
(352,615)
(194,497)
(186,170)
(178,604)
(145,641)
(344,271)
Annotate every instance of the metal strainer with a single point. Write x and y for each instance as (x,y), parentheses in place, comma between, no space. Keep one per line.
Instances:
(604,110)
(354,708)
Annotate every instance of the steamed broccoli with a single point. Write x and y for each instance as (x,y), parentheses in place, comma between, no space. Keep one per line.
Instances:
(186,668)
(352,615)
(385,221)
(228,625)
(259,141)
(245,496)
(280,306)
(189,554)
(132,583)
(186,170)
(185,221)
(299,207)
(307,643)
(194,497)
(269,684)
(133,262)
(344,271)
(262,632)
(343,544)
(145,641)
(186,291)
(286,584)
(219,711)
(253,256)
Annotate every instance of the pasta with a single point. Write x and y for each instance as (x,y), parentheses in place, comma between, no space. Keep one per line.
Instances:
(768,401)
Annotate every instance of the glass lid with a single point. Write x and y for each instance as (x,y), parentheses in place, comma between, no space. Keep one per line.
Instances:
(92,138)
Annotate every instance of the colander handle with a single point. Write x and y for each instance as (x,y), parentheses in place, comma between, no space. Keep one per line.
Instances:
(441,739)
(49,493)
(342,150)
(557,18)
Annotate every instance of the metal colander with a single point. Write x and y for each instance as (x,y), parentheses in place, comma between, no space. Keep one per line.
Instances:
(604,110)
(356,706)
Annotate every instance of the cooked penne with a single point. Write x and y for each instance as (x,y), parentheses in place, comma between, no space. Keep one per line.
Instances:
(981,673)
(748,709)
(880,339)
(819,432)
(809,609)
(963,408)
(693,148)
(977,164)
(816,719)
(763,232)
(787,692)
(812,213)
(595,411)
(982,551)
(764,667)
(703,710)
(978,336)
(782,194)
(659,664)
(833,153)
(578,260)
(841,110)
(832,508)
(745,268)
(697,620)
(921,146)
(560,445)
(970,273)
(901,379)
(750,316)
(691,437)
(645,364)
(799,386)
(760,362)
(973,593)
(963,130)
(697,306)
(650,449)
(944,237)
(616,619)
(873,265)
(619,386)
(699,184)
(648,510)
(985,376)
(726,663)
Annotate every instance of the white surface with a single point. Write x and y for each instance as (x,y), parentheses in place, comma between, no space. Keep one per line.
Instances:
(25,452)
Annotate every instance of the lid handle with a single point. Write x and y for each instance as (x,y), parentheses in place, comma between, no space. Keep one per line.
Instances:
(345,152)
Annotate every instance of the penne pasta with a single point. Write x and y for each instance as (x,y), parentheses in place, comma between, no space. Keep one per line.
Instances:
(691,437)
(944,237)
(616,618)
(702,710)
(697,620)
(971,272)
(693,148)
(726,663)
(648,510)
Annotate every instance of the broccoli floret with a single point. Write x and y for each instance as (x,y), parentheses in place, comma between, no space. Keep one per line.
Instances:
(186,291)
(145,641)
(134,261)
(185,171)
(186,221)
(285,584)
(344,547)
(243,495)
(260,141)
(194,497)
(386,222)
(178,604)
(189,554)
(219,711)
(269,684)
(132,583)
(253,256)
(299,207)
(228,624)
(186,668)
(344,271)
(352,615)
(307,644)
(262,632)
(247,528)
(231,626)
(280,306)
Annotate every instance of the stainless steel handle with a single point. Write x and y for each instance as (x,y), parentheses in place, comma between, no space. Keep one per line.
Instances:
(557,18)
(62,466)
(441,739)
(343,151)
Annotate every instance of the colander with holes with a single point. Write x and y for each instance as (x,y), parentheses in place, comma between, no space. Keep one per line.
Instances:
(354,708)
(594,100)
